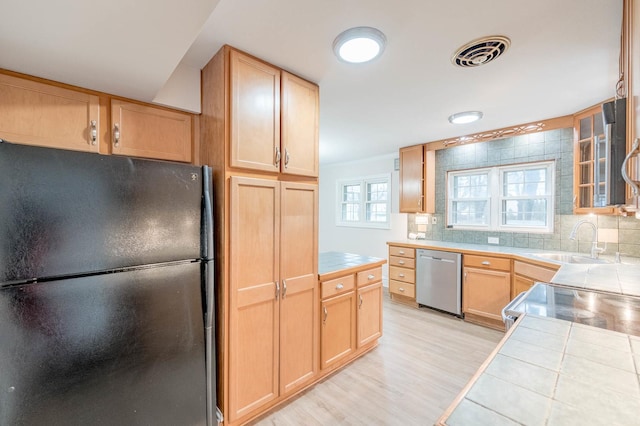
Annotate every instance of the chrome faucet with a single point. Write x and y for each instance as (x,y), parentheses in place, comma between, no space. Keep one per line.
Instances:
(595,250)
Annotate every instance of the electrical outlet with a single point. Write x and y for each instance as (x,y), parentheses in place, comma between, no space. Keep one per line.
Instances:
(434,220)
(494,240)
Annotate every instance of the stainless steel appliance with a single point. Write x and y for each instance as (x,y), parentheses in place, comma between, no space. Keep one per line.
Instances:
(599,309)
(106,290)
(438,280)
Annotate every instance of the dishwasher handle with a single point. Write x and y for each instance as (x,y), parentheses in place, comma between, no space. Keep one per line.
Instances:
(437,259)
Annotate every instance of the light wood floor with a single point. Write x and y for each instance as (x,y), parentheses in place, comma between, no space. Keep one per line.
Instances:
(422,362)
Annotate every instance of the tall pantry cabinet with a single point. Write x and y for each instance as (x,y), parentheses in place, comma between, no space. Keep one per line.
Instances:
(259,132)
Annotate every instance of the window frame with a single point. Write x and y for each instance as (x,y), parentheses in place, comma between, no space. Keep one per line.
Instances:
(364,201)
(496,197)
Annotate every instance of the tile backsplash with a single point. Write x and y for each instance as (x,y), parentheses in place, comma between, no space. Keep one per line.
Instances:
(622,234)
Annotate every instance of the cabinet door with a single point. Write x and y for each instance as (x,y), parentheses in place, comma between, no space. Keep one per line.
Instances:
(411,179)
(300,117)
(369,313)
(521,284)
(145,131)
(254,296)
(338,334)
(40,114)
(299,276)
(485,292)
(255,114)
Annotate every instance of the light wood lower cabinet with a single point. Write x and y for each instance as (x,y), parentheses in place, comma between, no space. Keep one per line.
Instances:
(526,274)
(402,274)
(351,315)
(338,334)
(486,289)
(40,114)
(369,313)
(273,320)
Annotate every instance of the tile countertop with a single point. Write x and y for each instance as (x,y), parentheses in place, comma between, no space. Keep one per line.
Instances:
(553,372)
(621,278)
(334,262)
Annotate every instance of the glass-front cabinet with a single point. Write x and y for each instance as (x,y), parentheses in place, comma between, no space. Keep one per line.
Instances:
(591,147)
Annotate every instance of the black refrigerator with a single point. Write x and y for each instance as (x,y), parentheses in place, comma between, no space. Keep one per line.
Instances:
(106,290)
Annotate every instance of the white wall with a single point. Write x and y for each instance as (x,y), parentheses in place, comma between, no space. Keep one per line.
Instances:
(365,241)
(182,90)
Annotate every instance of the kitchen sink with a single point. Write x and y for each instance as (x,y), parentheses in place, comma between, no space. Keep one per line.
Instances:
(569,258)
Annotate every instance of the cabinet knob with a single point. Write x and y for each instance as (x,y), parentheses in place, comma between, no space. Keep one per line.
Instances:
(401,252)
(401,275)
(339,286)
(277,159)
(486,263)
(370,277)
(401,262)
(401,289)
(116,135)
(94,132)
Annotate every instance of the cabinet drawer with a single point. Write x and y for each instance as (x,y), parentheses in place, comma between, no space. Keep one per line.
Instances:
(369,276)
(404,289)
(402,251)
(403,262)
(402,274)
(487,262)
(338,285)
(537,273)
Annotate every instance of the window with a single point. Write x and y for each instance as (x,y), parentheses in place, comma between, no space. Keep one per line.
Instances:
(504,198)
(364,202)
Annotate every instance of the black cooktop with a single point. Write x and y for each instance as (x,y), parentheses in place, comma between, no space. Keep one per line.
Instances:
(599,309)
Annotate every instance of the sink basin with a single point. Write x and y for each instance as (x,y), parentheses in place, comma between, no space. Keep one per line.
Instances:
(569,258)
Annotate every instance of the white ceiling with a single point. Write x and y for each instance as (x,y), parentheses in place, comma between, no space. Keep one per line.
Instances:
(563,57)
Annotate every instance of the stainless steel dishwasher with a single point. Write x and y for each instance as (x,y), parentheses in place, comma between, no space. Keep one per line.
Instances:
(438,280)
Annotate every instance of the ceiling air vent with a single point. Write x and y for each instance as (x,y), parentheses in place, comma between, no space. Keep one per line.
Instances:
(480,51)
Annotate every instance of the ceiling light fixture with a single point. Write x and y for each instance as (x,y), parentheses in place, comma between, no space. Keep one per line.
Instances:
(359,44)
(465,117)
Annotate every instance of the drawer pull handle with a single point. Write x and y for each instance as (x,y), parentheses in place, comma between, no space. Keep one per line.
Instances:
(401,262)
(401,252)
(370,277)
(339,286)
(486,262)
(401,275)
(401,289)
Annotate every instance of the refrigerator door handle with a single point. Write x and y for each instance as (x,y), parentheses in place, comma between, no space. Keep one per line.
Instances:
(208,212)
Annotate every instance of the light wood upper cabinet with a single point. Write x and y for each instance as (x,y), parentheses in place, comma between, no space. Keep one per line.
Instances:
(150,132)
(40,114)
(300,126)
(255,113)
(257,117)
(417,180)
(590,162)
